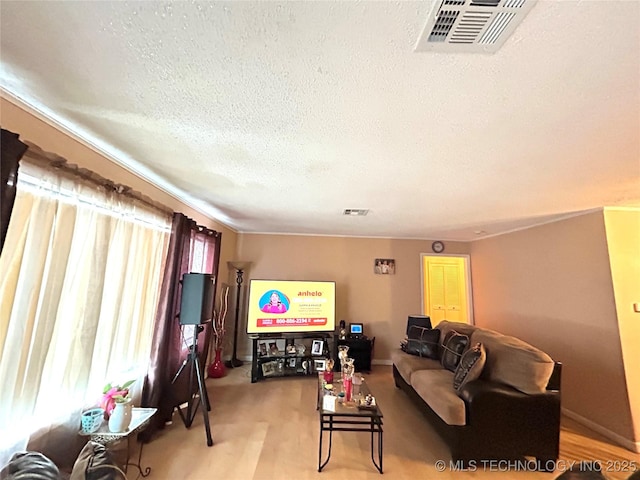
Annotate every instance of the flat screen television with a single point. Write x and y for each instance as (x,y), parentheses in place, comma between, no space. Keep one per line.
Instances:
(291,306)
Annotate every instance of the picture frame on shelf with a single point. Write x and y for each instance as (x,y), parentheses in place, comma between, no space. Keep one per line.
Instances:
(293,362)
(320,365)
(273,348)
(269,368)
(262,349)
(317,347)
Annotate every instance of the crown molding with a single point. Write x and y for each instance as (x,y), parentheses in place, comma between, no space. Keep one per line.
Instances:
(130,165)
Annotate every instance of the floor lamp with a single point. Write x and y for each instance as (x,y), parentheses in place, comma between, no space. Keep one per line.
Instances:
(239,267)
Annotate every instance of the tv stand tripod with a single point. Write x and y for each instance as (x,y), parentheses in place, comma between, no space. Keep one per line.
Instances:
(202,398)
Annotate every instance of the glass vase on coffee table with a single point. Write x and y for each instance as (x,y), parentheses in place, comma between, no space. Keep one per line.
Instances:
(348,369)
(343,351)
(328,372)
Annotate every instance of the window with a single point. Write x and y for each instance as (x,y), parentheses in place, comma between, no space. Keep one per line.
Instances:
(80,273)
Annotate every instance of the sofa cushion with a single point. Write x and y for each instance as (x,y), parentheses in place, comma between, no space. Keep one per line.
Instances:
(453,348)
(94,463)
(423,342)
(30,466)
(514,362)
(445,326)
(434,387)
(407,364)
(470,366)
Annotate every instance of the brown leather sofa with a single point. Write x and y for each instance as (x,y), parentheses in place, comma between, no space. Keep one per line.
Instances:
(510,412)
(93,463)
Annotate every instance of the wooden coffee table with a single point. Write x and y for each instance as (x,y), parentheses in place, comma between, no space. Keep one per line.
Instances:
(349,418)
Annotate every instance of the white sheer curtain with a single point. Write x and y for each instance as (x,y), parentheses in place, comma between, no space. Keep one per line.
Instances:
(80,273)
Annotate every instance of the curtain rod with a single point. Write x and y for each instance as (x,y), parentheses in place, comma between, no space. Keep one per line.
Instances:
(55,161)
(207,231)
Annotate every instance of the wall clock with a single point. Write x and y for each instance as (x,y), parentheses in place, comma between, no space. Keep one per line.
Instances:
(437,247)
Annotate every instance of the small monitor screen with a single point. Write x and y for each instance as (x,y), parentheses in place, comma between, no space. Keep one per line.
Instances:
(355,328)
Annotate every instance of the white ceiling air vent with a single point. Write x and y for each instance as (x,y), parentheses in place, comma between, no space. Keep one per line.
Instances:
(474,26)
(355,212)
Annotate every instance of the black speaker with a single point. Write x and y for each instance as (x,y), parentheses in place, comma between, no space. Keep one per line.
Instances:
(196,305)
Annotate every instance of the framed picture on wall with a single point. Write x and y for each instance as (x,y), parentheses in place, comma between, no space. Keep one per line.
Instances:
(384,266)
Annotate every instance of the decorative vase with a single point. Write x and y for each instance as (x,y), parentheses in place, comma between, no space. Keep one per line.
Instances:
(347,382)
(348,370)
(343,353)
(120,418)
(216,369)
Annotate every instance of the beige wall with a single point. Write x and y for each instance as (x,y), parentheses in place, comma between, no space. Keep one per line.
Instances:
(623,238)
(382,302)
(50,139)
(551,286)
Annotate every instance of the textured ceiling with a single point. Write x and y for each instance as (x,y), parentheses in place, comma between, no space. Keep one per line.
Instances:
(274,117)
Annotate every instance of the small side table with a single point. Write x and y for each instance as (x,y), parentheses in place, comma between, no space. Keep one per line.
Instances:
(139,420)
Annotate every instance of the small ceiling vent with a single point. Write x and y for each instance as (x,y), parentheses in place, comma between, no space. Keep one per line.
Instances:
(355,212)
(474,26)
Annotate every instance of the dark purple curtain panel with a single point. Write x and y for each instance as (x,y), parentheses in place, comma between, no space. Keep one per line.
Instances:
(167,352)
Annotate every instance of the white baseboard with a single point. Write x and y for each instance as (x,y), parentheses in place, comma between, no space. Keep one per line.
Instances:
(381,362)
(620,440)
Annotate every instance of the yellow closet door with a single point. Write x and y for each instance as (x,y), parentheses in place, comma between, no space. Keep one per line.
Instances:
(435,295)
(445,295)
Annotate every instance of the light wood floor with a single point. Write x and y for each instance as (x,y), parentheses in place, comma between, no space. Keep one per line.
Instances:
(269,431)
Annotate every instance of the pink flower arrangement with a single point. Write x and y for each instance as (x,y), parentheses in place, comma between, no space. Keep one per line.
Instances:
(113,394)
